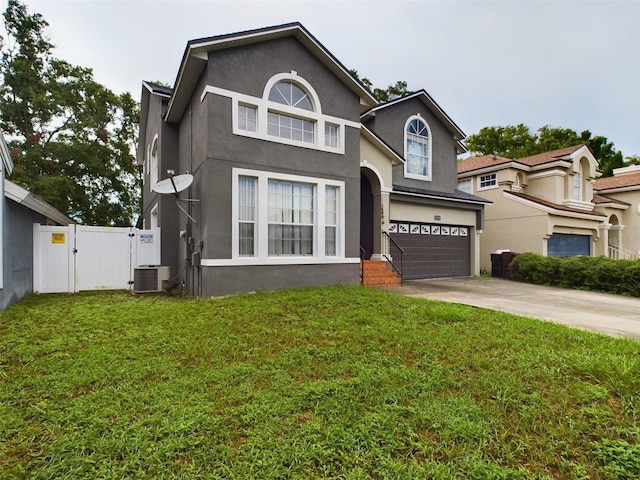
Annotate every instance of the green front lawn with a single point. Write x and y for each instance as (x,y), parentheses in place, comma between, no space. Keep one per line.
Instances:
(345,382)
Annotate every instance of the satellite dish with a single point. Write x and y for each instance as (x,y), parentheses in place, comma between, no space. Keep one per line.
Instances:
(173,184)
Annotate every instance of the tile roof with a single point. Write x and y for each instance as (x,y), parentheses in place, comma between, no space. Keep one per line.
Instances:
(555,206)
(618,181)
(476,163)
(552,156)
(599,199)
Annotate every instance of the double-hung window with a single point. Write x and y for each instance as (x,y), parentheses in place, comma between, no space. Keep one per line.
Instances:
(577,186)
(331,220)
(291,218)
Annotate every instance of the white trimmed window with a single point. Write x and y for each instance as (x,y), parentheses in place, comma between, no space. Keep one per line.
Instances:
(487,181)
(297,129)
(577,186)
(288,112)
(465,185)
(331,221)
(291,218)
(281,216)
(417,151)
(153,167)
(246,216)
(331,135)
(247,118)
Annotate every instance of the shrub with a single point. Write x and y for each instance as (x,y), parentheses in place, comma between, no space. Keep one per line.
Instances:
(593,273)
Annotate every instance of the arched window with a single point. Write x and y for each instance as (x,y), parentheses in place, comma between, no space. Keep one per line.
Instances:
(153,168)
(417,149)
(288,93)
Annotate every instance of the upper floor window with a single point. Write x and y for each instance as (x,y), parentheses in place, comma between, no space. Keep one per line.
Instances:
(417,149)
(577,186)
(465,185)
(288,112)
(153,167)
(488,181)
(288,93)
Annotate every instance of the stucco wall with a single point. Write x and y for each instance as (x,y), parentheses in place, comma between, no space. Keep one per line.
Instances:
(390,124)
(210,150)
(18,251)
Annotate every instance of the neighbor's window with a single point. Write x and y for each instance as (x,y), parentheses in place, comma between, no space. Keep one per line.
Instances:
(577,186)
(465,185)
(290,218)
(487,181)
(247,118)
(246,216)
(331,221)
(417,148)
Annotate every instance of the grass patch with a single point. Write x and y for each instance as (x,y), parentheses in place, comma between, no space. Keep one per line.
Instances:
(344,382)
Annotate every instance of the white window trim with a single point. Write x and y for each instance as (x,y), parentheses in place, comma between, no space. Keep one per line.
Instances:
(490,187)
(263,106)
(427,177)
(261,246)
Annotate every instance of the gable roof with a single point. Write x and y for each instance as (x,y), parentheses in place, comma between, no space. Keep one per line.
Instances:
(487,161)
(556,208)
(24,197)
(603,199)
(431,104)
(618,181)
(195,59)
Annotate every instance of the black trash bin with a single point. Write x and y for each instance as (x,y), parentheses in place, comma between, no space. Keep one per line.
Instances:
(496,265)
(507,258)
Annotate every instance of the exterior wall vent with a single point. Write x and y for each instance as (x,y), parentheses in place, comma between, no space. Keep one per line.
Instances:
(150,278)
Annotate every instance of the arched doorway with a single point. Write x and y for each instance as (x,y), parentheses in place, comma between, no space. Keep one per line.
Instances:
(366,216)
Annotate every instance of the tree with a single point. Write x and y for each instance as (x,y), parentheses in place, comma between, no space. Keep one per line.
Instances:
(71,138)
(518,141)
(397,90)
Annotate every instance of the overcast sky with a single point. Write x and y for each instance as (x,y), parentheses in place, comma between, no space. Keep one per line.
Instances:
(571,64)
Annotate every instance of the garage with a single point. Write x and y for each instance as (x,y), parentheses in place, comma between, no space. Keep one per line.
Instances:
(433,251)
(568,245)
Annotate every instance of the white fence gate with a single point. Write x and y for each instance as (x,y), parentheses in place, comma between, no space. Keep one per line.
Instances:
(77,257)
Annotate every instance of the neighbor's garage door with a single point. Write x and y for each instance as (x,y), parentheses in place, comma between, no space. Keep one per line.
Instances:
(566,245)
(433,251)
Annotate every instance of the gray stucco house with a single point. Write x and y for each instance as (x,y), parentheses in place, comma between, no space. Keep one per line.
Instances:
(295,166)
(19,210)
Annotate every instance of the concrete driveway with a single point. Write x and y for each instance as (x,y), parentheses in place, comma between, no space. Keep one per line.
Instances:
(600,312)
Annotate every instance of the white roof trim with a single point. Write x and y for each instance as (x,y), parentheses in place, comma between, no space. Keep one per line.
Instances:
(6,156)
(25,197)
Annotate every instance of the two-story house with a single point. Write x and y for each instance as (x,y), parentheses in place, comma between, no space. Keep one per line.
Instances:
(413,194)
(293,165)
(541,204)
(618,198)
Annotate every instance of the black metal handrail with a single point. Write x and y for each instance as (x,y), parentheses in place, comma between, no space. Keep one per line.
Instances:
(363,254)
(391,251)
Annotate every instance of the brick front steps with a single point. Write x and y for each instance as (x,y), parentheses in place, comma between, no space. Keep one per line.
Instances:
(379,273)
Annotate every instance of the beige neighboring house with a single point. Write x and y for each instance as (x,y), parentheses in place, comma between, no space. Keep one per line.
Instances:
(541,204)
(618,198)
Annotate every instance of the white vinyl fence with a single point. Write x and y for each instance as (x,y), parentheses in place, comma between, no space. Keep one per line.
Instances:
(76,257)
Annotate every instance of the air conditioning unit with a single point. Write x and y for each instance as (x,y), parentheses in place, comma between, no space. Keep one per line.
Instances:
(150,278)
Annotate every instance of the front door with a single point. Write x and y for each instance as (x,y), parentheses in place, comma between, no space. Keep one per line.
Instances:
(366,216)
